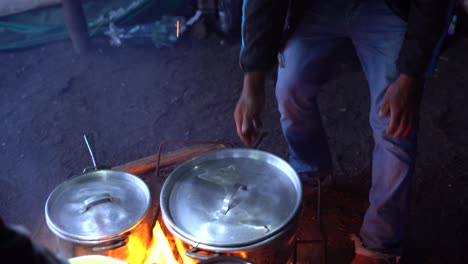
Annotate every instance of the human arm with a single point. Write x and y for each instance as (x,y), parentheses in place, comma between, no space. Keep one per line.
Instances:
(401,101)
(249,108)
(427,22)
(262,28)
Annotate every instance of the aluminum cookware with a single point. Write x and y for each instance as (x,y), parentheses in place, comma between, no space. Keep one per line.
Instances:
(233,200)
(98,211)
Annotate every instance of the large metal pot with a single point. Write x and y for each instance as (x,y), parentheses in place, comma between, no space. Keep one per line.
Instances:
(98,212)
(238,200)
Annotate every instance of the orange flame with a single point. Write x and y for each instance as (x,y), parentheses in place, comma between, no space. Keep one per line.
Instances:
(160,251)
(137,250)
(182,249)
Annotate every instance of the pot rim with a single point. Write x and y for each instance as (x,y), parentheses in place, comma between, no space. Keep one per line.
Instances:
(231,259)
(98,239)
(291,226)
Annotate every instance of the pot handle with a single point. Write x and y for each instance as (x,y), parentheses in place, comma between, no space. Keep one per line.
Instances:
(192,253)
(95,200)
(108,247)
(229,197)
(89,139)
(90,144)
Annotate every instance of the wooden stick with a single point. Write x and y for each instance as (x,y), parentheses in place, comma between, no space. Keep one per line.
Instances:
(149,163)
(77,26)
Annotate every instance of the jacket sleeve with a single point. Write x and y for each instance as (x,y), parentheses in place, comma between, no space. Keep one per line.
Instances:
(427,22)
(19,248)
(262,28)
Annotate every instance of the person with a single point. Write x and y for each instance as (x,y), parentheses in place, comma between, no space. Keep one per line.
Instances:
(396,42)
(16,246)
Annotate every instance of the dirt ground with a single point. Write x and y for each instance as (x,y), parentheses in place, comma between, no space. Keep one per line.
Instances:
(133,98)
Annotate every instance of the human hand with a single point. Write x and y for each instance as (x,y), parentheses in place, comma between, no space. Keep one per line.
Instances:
(249,107)
(401,100)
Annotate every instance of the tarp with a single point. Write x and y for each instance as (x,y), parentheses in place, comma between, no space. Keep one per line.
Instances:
(9,7)
(47,24)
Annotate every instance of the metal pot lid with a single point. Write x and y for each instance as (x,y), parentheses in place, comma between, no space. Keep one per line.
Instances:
(231,197)
(97,206)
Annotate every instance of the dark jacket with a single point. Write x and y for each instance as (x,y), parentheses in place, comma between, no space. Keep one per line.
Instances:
(267,24)
(18,247)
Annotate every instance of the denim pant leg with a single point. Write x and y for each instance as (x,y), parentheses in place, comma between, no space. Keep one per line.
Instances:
(377,34)
(307,60)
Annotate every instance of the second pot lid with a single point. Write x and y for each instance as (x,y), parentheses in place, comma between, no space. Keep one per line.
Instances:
(231,197)
(96,206)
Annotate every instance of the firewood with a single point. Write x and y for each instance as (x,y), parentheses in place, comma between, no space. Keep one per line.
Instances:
(149,163)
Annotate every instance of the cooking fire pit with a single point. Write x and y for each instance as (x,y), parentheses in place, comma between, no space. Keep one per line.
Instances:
(213,209)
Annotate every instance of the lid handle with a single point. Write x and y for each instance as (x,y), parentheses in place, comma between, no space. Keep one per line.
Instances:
(230,195)
(95,200)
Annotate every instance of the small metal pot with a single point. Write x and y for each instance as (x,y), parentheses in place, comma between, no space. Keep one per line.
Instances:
(236,201)
(97,212)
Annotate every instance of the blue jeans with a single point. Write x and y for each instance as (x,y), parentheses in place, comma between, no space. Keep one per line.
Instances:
(377,35)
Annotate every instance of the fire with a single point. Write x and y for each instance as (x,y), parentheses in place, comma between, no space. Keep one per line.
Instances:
(181,248)
(159,251)
(137,250)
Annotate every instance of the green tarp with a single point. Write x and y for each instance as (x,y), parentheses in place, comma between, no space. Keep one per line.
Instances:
(44,25)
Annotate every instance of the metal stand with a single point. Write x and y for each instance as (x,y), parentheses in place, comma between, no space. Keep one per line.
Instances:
(322,239)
